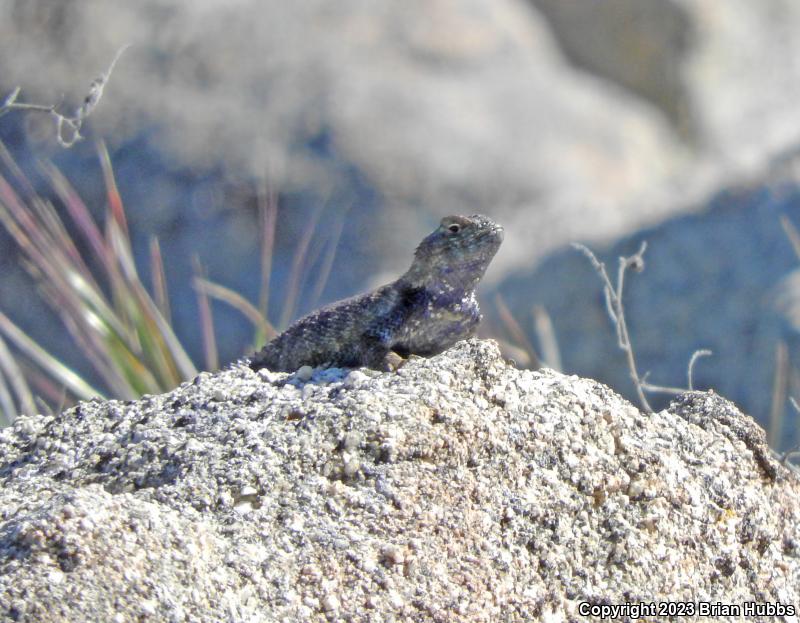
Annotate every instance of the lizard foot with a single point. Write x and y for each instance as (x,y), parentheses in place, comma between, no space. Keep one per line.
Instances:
(392,361)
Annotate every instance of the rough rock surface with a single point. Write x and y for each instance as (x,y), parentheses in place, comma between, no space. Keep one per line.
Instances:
(457,489)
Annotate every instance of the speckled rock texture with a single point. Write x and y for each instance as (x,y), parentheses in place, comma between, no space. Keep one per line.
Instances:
(456,489)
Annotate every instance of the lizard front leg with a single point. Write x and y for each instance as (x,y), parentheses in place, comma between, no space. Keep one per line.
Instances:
(374,352)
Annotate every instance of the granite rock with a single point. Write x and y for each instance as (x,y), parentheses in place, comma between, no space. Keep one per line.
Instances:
(457,489)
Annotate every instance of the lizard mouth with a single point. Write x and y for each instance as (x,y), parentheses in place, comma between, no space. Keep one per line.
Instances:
(495,234)
(499,233)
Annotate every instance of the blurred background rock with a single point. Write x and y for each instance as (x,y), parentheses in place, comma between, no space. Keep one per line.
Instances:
(605,122)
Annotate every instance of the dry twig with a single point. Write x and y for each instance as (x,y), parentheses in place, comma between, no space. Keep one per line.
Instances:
(616,310)
(703,352)
(68,127)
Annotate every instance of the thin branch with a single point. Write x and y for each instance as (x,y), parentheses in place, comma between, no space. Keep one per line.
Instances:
(10,99)
(616,310)
(703,352)
(662,389)
(11,103)
(68,128)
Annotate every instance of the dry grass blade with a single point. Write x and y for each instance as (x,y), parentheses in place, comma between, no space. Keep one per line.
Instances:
(330,255)
(206,320)
(785,459)
(159,278)
(65,282)
(8,409)
(8,412)
(45,248)
(16,379)
(122,330)
(543,325)
(779,393)
(16,172)
(237,301)
(267,218)
(170,347)
(299,261)
(112,192)
(517,334)
(79,214)
(791,233)
(40,211)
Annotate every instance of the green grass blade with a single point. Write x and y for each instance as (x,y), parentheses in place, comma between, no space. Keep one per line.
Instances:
(206,321)
(16,379)
(115,206)
(8,412)
(79,213)
(238,302)
(46,361)
(159,277)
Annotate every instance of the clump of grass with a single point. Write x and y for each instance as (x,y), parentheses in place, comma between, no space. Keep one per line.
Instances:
(121,328)
(115,322)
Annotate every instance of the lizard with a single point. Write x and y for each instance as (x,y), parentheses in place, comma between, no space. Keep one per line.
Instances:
(424,312)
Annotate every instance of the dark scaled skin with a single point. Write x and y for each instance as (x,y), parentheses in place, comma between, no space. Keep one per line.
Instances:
(427,310)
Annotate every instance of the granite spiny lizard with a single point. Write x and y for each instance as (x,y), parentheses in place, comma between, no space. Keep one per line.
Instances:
(427,310)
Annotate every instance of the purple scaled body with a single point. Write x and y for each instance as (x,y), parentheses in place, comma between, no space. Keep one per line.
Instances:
(427,310)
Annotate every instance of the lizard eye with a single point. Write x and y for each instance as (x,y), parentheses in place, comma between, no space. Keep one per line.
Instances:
(454,228)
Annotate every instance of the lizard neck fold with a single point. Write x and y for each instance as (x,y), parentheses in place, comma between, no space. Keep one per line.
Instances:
(444,279)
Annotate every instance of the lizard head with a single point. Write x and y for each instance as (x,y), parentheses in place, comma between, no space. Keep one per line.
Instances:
(456,254)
